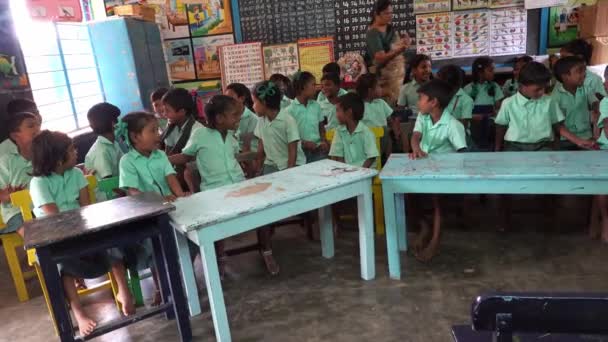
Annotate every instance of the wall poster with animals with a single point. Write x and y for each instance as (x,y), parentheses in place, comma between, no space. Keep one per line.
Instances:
(207,17)
(506,3)
(458,5)
(563,22)
(281,59)
(427,6)
(179,59)
(434,35)
(206,55)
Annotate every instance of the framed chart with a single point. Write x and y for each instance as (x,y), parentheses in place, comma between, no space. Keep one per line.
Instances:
(314,54)
(242,63)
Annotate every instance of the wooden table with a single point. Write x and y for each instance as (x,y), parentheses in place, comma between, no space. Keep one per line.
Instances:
(99,227)
(567,173)
(218,214)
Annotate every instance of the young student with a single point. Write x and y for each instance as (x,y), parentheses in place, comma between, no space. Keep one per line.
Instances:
(511,86)
(483,90)
(13,107)
(421,72)
(103,157)
(16,166)
(330,87)
(593,83)
(215,148)
(307,113)
(528,120)
(278,148)
(334,69)
(156,97)
(58,186)
(284,84)
(249,120)
(461,105)
(572,98)
(436,131)
(353,142)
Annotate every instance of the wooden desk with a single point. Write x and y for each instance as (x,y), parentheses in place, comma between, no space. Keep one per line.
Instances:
(567,173)
(218,214)
(101,226)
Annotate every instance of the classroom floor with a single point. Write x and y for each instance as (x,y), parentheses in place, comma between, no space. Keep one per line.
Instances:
(325,300)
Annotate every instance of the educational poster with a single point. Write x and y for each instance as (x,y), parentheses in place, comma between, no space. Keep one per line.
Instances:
(179,60)
(13,76)
(532,4)
(458,5)
(281,59)
(563,22)
(242,63)
(55,10)
(471,33)
(171,18)
(206,55)
(428,6)
(206,17)
(505,3)
(314,54)
(434,35)
(509,31)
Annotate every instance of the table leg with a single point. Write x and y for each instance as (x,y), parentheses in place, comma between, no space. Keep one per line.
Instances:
(326,232)
(54,287)
(400,221)
(214,289)
(366,233)
(188,273)
(161,269)
(392,245)
(175,285)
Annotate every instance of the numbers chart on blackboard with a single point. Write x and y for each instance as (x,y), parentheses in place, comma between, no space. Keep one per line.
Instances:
(286,21)
(354,16)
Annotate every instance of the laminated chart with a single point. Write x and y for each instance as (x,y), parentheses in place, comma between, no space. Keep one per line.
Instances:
(471,33)
(314,54)
(458,5)
(242,63)
(506,3)
(428,6)
(509,31)
(434,35)
(281,59)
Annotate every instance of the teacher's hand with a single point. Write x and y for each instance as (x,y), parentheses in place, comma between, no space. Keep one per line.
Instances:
(406,40)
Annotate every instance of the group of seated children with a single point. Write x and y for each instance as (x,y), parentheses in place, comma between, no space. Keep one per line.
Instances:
(284,123)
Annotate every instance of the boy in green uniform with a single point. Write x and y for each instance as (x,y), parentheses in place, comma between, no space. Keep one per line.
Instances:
(330,89)
(353,142)
(156,98)
(593,83)
(13,107)
(332,68)
(104,155)
(436,131)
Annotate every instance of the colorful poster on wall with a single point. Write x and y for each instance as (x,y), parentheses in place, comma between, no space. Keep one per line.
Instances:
(532,4)
(509,31)
(563,22)
(428,6)
(206,17)
(506,3)
(242,63)
(471,33)
(55,10)
(281,59)
(314,54)
(13,76)
(458,5)
(206,55)
(171,18)
(179,60)
(434,35)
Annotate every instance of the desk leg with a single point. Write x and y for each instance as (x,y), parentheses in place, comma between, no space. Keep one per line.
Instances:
(392,244)
(366,233)
(400,223)
(54,287)
(326,232)
(188,273)
(161,269)
(214,289)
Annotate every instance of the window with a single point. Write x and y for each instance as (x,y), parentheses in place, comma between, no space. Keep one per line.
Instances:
(61,68)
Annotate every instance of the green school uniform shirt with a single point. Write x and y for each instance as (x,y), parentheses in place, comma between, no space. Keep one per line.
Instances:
(602,141)
(376,113)
(247,125)
(408,96)
(308,119)
(355,148)
(444,136)
(482,98)
(103,158)
(576,109)
(461,106)
(594,84)
(215,157)
(328,110)
(276,136)
(285,102)
(63,190)
(172,138)
(529,121)
(321,97)
(510,87)
(146,174)
(14,171)
(7,146)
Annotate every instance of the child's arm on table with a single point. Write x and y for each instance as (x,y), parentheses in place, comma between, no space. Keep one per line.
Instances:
(175,187)
(561,129)
(417,152)
(49,209)
(292,153)
(261,157)
(500,137)
(368,163)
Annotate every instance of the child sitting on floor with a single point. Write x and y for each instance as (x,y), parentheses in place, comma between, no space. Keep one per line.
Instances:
(436,131)
(511,86)
(353,142)
(421,72)
(58,186)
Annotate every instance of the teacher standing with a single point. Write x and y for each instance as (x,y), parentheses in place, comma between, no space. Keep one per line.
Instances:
(385,51)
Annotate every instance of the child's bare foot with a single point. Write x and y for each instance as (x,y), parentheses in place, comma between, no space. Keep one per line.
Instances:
(127,303)
(431,250)
(85,324)
(156,298)
(271,264)
(80,285)
(423,237)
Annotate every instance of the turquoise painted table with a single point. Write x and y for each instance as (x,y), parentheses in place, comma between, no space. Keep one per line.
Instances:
(218,214)
(558,173)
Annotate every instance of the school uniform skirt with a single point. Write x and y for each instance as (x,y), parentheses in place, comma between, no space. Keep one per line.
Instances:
(513,146)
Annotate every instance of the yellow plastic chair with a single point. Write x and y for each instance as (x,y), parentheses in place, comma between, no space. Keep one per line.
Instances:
(377,184)
(10,242)
(23,200)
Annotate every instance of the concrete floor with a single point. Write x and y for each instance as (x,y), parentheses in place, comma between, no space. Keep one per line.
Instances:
(325,300)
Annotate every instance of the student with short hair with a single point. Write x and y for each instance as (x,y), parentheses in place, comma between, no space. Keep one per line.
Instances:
(421,72)
(156,98)
(511,86)
(103,157)
(330,88)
